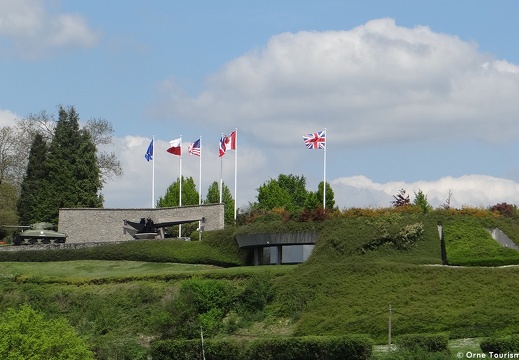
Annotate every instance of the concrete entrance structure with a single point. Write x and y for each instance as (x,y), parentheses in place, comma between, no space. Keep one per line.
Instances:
(85,225)
(271,248)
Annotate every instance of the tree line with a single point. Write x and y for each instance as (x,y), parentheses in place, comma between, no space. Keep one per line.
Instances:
(47,164)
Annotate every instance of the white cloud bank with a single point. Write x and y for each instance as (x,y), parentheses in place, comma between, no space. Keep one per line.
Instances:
(468,190)
(379,88)
(29,31)
(375,83)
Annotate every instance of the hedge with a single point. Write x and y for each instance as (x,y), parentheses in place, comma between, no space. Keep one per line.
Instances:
(503,345)
(291,348)
(427,342)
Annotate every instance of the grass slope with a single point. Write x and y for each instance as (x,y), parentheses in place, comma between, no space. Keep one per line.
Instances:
(346,287)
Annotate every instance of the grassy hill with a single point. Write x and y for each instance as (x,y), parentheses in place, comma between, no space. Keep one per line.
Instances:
(122,297)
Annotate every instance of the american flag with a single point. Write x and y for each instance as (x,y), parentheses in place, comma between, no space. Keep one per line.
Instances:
(316,140)
(194,148)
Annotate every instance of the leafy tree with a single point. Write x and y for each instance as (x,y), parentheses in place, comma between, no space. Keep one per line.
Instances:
(32,197)
(313,201)
(401,199)
(213,197)
(287,191)
(73,174)
(172,196)
(101,132)
(504,209)
(420,200)
(11,156)
(26,334)
(296,187)
(271,195)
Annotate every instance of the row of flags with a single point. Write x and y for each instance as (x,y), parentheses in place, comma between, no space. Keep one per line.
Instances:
(227,142)
(315,141)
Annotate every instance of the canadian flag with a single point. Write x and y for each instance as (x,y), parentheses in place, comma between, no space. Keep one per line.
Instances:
(230,141)
(175,147)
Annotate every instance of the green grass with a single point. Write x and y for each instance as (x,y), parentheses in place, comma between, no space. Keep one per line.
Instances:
(342,289)
(95,269)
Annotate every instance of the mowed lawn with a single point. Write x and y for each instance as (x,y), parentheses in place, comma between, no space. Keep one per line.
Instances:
(94,269)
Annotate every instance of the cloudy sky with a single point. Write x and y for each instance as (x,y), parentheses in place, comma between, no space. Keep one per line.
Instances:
(413,95)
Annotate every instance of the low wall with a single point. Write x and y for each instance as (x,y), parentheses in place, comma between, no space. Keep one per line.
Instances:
(86,225)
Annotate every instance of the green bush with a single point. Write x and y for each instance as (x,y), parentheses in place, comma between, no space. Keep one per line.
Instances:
(502,345)
(300,348)
(26,334)
(426,342)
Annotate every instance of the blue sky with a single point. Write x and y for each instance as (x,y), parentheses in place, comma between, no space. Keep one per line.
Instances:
(414,95)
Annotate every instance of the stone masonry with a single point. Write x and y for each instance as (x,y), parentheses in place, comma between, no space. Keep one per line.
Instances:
(85,225)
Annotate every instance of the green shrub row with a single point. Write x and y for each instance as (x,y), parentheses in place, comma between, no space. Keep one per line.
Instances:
(301,348)
(426,342)
(502,345)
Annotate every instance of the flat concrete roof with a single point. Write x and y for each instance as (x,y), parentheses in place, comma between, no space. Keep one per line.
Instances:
(271,239)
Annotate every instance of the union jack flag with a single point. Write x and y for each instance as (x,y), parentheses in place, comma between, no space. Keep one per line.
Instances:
(316,140)
(194,148)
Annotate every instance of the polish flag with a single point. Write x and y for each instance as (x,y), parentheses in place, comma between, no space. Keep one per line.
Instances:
(175,147)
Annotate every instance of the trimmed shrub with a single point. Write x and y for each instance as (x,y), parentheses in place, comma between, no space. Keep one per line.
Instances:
(192,349)
(503,345)
(300,348)
(427,342)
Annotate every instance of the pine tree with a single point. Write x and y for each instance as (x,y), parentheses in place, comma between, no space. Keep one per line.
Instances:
(73,174)
(32,194)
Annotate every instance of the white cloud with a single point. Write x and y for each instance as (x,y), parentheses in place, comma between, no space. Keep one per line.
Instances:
(30,31)
(377,82)
(408,94)
(7,118)
(134,188)
(468,190)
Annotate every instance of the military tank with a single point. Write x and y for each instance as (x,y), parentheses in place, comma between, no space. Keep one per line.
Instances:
(42,232)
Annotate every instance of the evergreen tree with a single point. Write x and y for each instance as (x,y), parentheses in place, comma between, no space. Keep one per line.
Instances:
(30,203)
(420,200)
(73,174)
(213,197)
(330,197)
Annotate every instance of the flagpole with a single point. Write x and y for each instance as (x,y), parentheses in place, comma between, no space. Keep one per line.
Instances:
(200,190)
(153,173)
(324,184)
(200,175)
(235,172)
(180,187)
(221,176)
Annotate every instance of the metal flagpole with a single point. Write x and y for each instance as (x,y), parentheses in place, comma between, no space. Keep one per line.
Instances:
(153,172)
(324,185)
(200,175)
(235,171)
(200,189)
(221,176)
(180,188)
